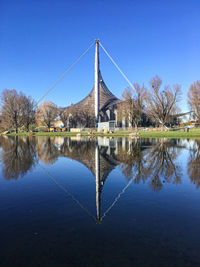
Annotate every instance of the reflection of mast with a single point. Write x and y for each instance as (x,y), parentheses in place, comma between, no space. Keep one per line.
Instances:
(97,179)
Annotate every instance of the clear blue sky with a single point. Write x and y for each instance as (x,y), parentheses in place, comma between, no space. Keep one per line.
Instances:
(40,39)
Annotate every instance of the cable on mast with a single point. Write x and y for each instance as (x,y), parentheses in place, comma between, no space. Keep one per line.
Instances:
(64,74)
(116,66)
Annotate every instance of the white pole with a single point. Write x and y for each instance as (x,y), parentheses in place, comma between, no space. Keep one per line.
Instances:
(96,81)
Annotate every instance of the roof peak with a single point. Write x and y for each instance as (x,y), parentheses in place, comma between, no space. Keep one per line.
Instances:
(105,97)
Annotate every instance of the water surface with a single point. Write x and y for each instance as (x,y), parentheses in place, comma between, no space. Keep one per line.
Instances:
(99,202)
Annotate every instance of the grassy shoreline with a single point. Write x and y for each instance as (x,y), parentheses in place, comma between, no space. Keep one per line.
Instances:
(194,133)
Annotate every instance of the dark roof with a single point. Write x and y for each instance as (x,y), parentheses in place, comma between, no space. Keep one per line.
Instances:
(106,98)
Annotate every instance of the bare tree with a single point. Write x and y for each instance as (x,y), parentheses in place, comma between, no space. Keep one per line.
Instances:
(132,105)
(69,117)
(194,99)
(85,119)
(77,118)
(17,110)
(64,116)
(46,114)
(160,105)
(28,111)
(11,110)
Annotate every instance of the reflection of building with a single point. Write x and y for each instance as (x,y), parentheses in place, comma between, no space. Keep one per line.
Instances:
(139,160)
(99,156)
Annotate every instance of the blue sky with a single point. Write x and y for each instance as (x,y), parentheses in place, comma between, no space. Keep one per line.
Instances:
(40,39)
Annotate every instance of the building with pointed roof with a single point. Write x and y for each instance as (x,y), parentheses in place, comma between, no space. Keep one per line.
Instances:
(100,103)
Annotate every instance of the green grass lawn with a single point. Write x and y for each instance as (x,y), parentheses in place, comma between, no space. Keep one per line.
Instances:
(172,133)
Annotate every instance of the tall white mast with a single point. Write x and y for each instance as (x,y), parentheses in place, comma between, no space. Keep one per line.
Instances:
(96,81)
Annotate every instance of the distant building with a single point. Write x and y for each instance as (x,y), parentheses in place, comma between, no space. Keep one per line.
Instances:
(58,124)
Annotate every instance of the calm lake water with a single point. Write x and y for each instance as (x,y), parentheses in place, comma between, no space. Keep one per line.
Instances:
(99,202)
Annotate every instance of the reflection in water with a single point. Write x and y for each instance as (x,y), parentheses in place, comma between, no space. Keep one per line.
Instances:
(132,159)
(56,219)
(140,160)
(194,164)
(162,165)
(47,150)
(18,155)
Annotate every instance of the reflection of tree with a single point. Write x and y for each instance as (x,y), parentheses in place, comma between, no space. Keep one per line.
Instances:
(18,156)
(139,159)
(140,162)
(161,164)
(193,168)
(78,149)
(47,151)
(133,162)
(50,148)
